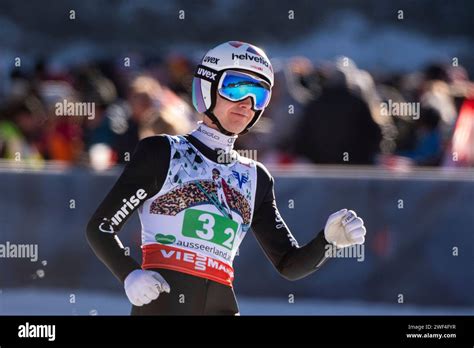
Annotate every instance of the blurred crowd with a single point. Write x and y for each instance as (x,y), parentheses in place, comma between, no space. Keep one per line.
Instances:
(327,113)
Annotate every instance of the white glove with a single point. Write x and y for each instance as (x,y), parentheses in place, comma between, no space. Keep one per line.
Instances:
(143,286)
(344,229)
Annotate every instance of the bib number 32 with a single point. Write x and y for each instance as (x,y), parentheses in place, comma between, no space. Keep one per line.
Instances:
(210,227)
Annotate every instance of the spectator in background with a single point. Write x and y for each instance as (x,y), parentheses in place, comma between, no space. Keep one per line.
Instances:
(437,95)
(99,138)
(461,151)
(338,127)
(142,99)
(64,140)
(295,86)
(20,132)
(428,142)
(362,83)
(148,100)
(180,74)
(161,121)
(62,136)
(401,89)
(94,88)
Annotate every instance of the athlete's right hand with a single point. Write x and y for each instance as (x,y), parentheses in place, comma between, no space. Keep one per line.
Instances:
(143,286)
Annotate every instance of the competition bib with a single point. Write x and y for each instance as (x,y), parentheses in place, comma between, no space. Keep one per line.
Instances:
(197,221)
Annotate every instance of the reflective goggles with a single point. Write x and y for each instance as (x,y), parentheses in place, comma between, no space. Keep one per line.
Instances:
(236,86)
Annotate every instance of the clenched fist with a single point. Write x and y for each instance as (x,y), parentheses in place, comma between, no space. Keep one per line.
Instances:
(344,228)
(143,286)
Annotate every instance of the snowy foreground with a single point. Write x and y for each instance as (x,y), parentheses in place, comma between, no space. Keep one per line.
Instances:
(57,302)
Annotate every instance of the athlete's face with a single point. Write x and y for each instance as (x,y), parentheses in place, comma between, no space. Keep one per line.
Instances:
(233,116)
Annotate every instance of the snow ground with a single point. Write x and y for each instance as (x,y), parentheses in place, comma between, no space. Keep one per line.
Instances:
(57,302)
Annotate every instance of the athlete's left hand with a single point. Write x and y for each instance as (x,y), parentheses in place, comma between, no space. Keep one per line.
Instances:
(344,228)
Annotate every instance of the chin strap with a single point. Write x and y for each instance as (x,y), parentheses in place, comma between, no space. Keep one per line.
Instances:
(224,131)
(215,120)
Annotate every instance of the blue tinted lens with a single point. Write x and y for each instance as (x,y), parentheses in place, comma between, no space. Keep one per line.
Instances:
(237,87)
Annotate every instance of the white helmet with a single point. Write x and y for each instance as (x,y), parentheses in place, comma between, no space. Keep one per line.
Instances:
(232,55)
